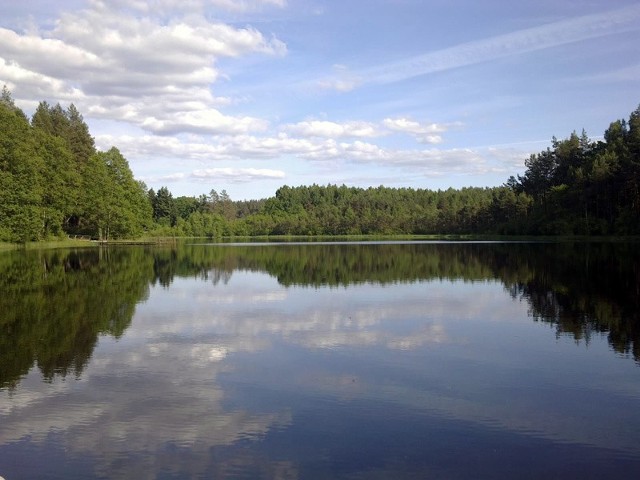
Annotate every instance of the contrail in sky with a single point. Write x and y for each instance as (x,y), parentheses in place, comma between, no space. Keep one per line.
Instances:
(514,43)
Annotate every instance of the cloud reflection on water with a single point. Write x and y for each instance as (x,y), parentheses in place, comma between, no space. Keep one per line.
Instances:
(161,386)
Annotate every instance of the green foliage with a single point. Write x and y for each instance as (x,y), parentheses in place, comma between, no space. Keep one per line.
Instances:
(55,303)
(53,181)
(204,224)
(67,125)
(21,182)
(165,209)
(584,187)
(61,196)
(117,206)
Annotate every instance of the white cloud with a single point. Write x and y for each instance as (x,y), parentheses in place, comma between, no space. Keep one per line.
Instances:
(34,85)
(203,121)
(423,133)
(364,151)
(171,177)
(432,139)
(226,174)
(167,6)
(49,55)
(245,5)
(139,69)
(236,175)
(431,162)
(151,146)
(411,126)
(124,38)
(180,52)
(327,129)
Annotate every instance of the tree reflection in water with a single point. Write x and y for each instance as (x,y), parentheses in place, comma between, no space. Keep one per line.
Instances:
(55,304)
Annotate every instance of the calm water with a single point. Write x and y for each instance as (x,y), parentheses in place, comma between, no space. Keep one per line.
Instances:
(412,360)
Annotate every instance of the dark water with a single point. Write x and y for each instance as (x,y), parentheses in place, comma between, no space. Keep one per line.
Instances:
(413,360)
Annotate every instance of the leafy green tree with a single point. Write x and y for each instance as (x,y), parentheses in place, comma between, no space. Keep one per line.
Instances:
(117,205)
(538,178)
(70,126)
(164,207)
(185,206)
(132,209)
(21,216)
(42,119)
(78,137)
(60,198)
(100,197)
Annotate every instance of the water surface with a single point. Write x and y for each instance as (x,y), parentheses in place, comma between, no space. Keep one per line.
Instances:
(385,360)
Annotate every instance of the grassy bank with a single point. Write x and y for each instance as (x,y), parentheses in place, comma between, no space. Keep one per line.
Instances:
(77,243)
(47,244)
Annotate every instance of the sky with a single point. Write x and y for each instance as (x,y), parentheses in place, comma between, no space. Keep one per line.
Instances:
(249,95)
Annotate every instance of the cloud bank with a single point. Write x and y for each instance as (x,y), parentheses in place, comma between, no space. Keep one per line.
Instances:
(199,91)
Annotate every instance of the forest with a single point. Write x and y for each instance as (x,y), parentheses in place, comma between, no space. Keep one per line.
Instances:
(54,183)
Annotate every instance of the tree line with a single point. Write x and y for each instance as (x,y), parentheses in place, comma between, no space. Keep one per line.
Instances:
(54,182)
(575,187)
(585,187)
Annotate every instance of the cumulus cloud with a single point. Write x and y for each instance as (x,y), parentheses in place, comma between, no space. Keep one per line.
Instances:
(327,129)
(146,44)
(103,47)
(411,126)
(136,68)
(32,85)
(226,147)
(153,146)
(429,162)
(203,121)
(429,133)
(190,110)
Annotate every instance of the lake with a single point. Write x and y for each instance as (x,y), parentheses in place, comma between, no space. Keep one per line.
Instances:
(321,360)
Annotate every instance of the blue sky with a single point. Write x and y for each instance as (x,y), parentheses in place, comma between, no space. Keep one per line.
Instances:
(250,95)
